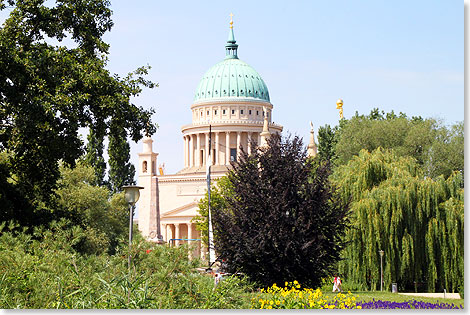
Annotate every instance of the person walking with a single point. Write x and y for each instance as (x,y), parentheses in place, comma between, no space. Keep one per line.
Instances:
(337,283)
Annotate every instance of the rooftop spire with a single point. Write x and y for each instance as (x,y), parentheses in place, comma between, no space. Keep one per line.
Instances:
(265,134)
(231,46)
(312,147)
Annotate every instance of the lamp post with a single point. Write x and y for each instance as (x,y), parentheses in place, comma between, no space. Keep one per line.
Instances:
(381,252)
(132,194)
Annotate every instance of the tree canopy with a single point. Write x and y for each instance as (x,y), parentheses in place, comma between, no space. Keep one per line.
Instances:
(280,223)
(417,221)
(436,148)
(49,91)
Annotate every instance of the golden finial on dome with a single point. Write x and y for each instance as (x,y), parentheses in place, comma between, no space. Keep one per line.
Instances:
(231,20)
(339,105)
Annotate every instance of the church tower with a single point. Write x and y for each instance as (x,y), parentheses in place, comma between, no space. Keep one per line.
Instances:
(149,197)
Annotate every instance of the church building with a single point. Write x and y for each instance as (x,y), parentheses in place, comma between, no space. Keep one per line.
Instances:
(232,103)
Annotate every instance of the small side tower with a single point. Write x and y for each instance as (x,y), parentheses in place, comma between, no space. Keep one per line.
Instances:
(148,203)
(265,134)
(312,147)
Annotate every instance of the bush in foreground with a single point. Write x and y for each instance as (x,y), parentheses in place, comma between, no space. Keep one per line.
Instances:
(44,271)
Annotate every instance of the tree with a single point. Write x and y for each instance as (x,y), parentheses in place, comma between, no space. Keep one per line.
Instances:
(94,155)
(281,223)
(436,148)
(327,143)
(418,222)
(121,171)
(221,190)
(408,137)
(102,216)
(447,152)
(48,92)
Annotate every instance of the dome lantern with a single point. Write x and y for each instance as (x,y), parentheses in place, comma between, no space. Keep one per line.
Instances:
(231,46)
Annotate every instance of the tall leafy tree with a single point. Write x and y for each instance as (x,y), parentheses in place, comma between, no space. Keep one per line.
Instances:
(418,222)
(48,92)
(327,143)
(121,171)
(94,154)
(280,223)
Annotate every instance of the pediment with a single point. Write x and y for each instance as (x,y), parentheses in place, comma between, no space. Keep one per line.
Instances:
(188,210)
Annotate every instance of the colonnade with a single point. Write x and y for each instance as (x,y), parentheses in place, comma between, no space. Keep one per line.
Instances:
(182,231)
(196,152)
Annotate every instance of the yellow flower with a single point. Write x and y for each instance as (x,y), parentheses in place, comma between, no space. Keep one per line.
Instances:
(359,307)
(278,302)
(271,302)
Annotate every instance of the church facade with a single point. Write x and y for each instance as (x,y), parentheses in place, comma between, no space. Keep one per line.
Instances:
(231,106)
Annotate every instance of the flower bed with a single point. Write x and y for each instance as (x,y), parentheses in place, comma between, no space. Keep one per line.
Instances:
(291,296)
(412,304)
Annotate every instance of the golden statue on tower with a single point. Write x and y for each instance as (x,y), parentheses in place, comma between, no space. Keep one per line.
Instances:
(339,105)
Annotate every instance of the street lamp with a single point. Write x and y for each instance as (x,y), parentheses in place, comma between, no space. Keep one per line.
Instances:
(381,252)
(132,194)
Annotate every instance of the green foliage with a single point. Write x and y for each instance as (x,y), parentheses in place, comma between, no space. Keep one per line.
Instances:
(446,154)
(94,155)
(220,191)
(280,223)
(44,271)
(104,220)
(121,171)
(50,91)
(408,137)
(436,148)
(417,221)
(327,143)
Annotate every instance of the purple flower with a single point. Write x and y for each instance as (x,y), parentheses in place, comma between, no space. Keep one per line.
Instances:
(411,304)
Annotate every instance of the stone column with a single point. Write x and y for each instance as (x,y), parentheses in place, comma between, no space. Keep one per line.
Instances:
(165,228)
(190,230)
(227,148)
(188,149)
(239,141)
(190,243)
(177,233)
(249,142)
(216,158)
(193,156)
(169,233)
(198,149)
(206,149)
(185,147)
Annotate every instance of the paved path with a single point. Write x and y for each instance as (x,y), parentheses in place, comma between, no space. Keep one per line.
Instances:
(437,295)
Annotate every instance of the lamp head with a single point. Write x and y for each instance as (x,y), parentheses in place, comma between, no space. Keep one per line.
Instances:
(381,252)
(132,194)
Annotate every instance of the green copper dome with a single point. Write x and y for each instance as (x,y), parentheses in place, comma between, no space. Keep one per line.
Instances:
(231,78)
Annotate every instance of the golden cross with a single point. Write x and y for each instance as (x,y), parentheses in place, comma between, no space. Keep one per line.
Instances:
(231,20)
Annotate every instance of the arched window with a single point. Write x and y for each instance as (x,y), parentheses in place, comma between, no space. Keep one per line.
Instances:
(144,167)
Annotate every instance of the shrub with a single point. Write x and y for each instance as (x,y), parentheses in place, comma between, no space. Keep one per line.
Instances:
(43,270)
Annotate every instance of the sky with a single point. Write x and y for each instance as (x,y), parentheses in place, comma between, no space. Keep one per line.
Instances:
(405,56)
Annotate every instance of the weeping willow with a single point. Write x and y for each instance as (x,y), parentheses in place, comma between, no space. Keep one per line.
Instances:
(418,222)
